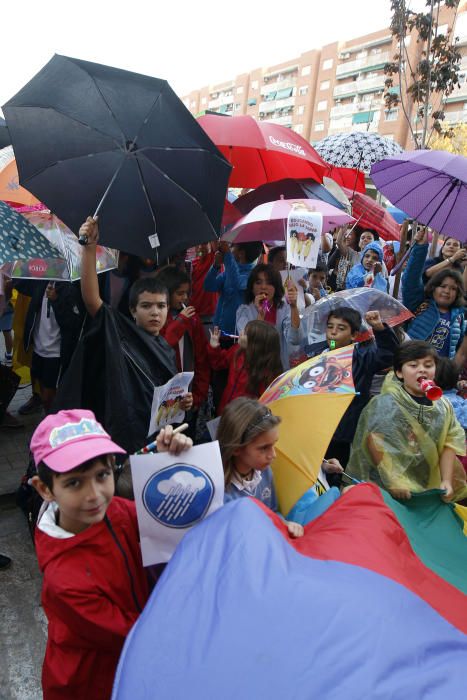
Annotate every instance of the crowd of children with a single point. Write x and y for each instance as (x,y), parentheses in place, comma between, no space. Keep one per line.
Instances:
(235,322)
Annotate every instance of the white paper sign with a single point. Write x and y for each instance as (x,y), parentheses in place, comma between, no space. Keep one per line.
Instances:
(174,493)
(303,237)
(166,401)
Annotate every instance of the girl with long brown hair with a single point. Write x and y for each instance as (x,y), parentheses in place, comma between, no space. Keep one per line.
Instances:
(253,364)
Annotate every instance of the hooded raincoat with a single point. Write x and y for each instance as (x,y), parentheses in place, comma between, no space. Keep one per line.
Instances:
(357,276)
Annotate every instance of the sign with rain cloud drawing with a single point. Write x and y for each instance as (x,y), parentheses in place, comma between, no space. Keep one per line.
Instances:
(174,493)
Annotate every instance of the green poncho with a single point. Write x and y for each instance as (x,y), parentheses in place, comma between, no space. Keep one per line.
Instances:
(409,439)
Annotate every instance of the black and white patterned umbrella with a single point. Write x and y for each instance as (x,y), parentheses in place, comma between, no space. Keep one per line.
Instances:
(358,149)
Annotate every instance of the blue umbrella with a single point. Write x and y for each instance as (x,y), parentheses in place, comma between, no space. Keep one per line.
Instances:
(20,240)
(397,214)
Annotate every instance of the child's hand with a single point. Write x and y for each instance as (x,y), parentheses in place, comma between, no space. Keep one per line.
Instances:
(186,402)
(400,494)
(218,259)
(377,268)
(168,442)
(446,486)
(90,229)
(223,247)
(259,299)
(295,530)
(332,466)
(316,293)
(421,236)
(373,318)
(215,337)
(302,283)
(188,312)
(291,295)
(242,339)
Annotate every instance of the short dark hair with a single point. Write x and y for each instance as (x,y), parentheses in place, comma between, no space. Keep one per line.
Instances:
(46,474)
(374,233)
(413,350)
(274,278)
(447,374)
(438,279)
(172,278)
(351,316)
(319,267)
(274,252)
(252,250)
(146,284)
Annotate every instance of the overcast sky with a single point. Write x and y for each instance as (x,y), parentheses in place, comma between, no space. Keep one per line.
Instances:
(188,43)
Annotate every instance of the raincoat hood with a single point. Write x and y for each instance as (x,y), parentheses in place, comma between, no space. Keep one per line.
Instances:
(376,247)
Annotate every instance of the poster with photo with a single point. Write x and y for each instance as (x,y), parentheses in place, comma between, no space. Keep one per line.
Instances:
(166,402)
(303,237)
(172,494)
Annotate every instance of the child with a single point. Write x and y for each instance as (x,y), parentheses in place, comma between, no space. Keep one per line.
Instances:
(253,364)
(119,360)
(184,332)
(247,434)
(447,378)
(87,543)
(238,262)
(6,317)
(439,306)
(368,273)
(405,442)
(343,326)
(264,299)
(317,282)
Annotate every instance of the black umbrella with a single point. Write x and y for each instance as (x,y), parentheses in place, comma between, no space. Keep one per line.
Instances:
(87,136)
(4,134)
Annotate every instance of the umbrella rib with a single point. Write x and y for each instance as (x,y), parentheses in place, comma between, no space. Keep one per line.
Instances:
(432,173)
(182,189)
(197,149)
(107,105)
(64,160)
(140,174)
(437,209)
(450,210)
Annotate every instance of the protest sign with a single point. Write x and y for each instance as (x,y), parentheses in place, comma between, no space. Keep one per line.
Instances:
(295,275)
(173,493)
(166,402)
(303,237)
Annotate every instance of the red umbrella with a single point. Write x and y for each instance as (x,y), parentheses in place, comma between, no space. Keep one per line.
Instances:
(370,214)
(231,214)
(348,177)
(262,152)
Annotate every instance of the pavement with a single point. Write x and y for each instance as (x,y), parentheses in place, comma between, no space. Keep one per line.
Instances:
(23,629)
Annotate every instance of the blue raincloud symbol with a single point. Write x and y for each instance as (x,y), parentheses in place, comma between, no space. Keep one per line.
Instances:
(178,496)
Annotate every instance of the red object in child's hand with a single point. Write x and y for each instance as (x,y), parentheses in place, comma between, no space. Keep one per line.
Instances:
(430,389)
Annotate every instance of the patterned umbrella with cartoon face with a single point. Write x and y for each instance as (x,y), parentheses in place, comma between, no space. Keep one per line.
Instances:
(358,149)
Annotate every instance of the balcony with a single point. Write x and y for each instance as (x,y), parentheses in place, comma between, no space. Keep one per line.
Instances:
(455,117)
(349,109)
(223,99)
(356,122)
(360,86)
(458,94)
(272,105)
(279,85)
(363,64)
(283,121)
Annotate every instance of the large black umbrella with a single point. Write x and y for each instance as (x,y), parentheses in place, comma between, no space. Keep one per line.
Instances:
(83,132)
(4,134)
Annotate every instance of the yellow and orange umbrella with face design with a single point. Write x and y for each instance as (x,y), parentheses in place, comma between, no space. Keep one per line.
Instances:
(310,399)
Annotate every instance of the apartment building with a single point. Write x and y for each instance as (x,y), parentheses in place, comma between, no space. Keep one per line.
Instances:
(333,89)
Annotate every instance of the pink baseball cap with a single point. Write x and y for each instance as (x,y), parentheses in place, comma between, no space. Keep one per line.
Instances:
(66,439)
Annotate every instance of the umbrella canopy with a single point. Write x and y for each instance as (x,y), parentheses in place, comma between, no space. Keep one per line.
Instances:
(287,189)
(4,134)
(359,149)
(10,189)
(105,131)
(348,177)
(362,299)
(20,240)
(268,222)
(68,266)
(320,389)
(262,152)
(397,214)
(431,186)
(370,214)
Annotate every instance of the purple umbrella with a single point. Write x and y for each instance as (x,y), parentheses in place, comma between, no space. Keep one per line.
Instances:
(431,186)
(268,221)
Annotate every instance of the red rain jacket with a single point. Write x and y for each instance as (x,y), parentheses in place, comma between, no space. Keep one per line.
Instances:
(173,330)
(88,595)
(237,381)
(204,302)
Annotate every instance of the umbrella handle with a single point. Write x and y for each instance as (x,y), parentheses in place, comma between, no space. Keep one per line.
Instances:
(83,240)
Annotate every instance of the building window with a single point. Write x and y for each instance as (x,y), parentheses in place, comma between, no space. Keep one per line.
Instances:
(252,102)
(319,126)
(306,70)
(298,128)
(325,85)
(328,63)
(254,84)
(240,90)
(391,115)
(237,106)
(303,90)
(322,106)
(300,109)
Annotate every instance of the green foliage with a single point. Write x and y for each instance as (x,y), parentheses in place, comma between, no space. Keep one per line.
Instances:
(424,85)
